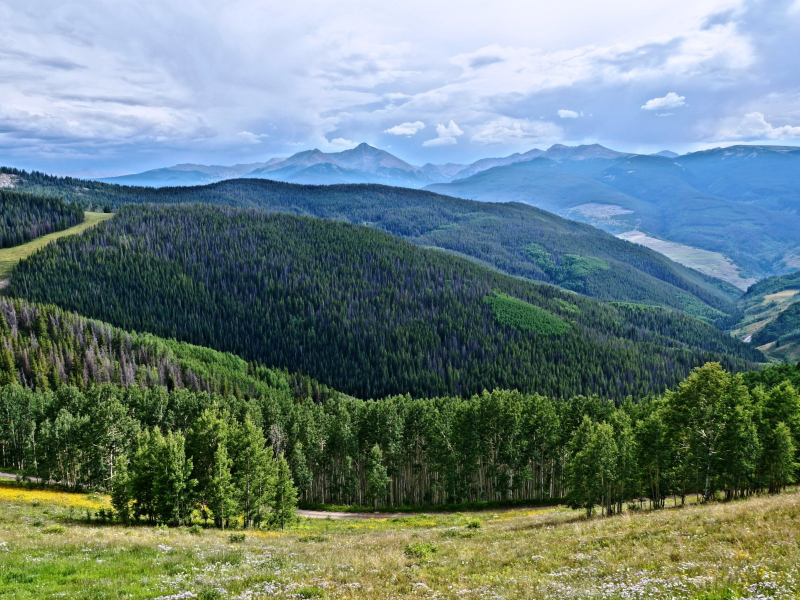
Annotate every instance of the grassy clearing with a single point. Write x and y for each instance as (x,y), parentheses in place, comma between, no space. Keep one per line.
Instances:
(9,257)
(707,262)
(718,551)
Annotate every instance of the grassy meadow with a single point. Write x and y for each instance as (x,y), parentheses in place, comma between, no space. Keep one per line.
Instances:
(746,549)
(9,257)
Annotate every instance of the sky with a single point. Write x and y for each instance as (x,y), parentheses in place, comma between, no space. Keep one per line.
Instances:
(94,88)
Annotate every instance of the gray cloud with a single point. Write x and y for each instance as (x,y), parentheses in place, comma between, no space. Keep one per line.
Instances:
(128,86)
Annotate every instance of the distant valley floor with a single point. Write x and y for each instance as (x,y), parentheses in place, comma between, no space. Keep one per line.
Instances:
(707,262)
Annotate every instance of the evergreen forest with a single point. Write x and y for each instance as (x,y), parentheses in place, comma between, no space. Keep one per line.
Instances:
(362,311)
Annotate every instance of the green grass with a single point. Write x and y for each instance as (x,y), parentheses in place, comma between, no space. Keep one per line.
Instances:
(715,551)
(516,313)
(9,257)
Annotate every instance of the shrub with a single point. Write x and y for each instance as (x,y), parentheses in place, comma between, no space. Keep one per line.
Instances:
(55,529)
(422,550)
(236,538)
(474,524)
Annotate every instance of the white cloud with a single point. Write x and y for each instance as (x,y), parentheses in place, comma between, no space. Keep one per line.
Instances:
(754,126)
(406,128)
(515,132)
(664,114)
(447,135)
(342,144)
(253,138)
(440,141)
(569,114)
(671,100)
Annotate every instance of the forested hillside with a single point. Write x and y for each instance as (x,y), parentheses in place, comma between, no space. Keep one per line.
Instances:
(362,311)
(515,238)
(24,217)
(90,405)
(43,347)
(171,452)
(739,201)
(771,320)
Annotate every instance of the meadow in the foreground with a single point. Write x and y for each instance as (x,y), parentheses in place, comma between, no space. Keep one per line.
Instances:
(747,549)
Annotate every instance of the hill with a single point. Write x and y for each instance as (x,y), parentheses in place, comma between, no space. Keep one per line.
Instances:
(360,310)
(737,201)
(771,319)
(24,217)
(9,257)
(517,239)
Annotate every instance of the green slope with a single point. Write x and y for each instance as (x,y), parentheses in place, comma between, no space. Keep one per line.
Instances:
(24,217)
(360,310)
(772,316)
(738,201)
(499,235)
(9,257)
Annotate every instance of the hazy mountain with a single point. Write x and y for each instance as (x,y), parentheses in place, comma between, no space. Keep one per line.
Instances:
(188,174)
(740,202)
(440,173)
(488,163)
(667,154)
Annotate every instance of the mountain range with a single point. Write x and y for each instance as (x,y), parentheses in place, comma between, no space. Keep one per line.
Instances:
(362,164)
(731,212)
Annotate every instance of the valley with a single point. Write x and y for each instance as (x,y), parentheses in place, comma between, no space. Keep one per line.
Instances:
(709,263)
(399,301)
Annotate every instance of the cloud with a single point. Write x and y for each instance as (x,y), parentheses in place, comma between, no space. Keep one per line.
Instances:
(253,138)
(568,114)
(406,128)
(440,141)
(664,114)
(121,86)
(447,135)
(342,144)
(754,126)
(671,100)
(516,132)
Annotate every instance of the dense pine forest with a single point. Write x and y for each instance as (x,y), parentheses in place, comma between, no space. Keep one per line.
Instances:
(24,217)
(164,448)
(362,311)
(515,238)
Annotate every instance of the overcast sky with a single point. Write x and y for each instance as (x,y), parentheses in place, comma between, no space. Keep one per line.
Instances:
(105,87)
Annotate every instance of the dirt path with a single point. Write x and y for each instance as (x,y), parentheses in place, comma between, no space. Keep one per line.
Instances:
(13,477)
(324,514)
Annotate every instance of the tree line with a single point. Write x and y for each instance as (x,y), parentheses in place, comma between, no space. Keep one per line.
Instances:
(24,217)
(359,310)
(713,436)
